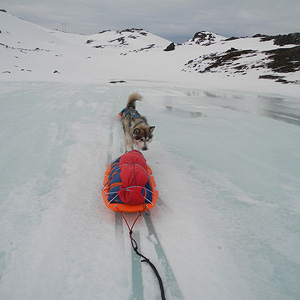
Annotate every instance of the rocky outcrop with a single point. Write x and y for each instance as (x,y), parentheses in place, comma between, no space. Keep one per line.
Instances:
(232,61)
(171,47)
(224,61)
(204,38)
(282,40)
(284,60)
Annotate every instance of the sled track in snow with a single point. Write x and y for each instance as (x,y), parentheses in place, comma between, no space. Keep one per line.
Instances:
(137,280)
(172,289)
(171,282)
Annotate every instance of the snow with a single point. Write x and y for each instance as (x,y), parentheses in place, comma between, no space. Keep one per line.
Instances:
(224,156)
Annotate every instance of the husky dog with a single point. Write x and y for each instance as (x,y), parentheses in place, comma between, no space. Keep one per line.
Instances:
(136,130)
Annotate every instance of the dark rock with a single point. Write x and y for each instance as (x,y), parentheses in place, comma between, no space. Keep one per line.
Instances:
(270,76)
(284,60)
(284,81)
(139,50)
(285,39)
(231,39)
(231,49)
(171,47)
(133,30)
(121,40)
(259,35)
(203,37)
(227,58)
(117,81)
(104,31)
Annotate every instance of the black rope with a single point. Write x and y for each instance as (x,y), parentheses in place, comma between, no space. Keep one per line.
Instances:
(145,259)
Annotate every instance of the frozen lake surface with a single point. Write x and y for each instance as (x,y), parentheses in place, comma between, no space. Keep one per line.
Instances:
(226,164)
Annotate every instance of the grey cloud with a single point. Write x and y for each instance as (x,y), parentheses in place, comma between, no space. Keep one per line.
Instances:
(171,19)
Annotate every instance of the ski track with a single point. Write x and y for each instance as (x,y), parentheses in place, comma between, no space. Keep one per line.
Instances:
(138,285)
(59,241)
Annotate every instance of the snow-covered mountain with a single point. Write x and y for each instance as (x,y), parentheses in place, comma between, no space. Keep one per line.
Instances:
(274,61)
(30,52)
(135,38)
(205,38)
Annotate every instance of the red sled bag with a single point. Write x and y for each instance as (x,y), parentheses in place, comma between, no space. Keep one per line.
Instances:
(129,184)
(134,177)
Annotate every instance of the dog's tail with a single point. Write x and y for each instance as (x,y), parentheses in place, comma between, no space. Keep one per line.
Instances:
(131,100)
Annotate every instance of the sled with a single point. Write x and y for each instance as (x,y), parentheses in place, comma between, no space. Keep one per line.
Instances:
(129,185)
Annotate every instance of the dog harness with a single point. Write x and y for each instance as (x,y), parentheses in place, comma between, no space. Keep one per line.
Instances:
(133,113)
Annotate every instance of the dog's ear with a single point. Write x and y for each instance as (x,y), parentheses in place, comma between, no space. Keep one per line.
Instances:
(136,131)
(151,129)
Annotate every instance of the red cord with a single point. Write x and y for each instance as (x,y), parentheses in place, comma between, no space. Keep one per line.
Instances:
(133,241)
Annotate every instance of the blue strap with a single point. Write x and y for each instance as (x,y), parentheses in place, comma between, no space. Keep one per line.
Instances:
(133,113)
(123,111)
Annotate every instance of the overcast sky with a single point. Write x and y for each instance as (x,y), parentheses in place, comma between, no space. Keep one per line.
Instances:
(175,20)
